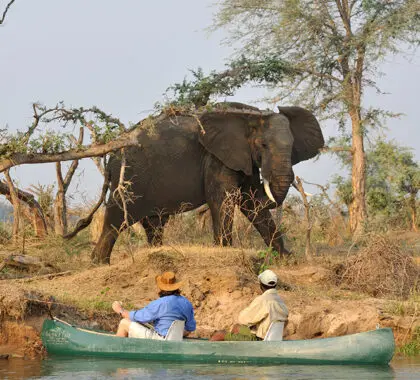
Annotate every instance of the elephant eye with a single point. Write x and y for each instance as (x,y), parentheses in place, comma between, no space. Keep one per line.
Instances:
(264,145)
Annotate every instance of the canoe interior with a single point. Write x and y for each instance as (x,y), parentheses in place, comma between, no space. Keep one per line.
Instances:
(372,347)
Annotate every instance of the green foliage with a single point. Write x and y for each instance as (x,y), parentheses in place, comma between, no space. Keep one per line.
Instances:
(392,181)
(201,87)
(267,256)
(323,45)
(343,189)
(45,197)
(49,142)
(412,348)
(42,136)
(105,291)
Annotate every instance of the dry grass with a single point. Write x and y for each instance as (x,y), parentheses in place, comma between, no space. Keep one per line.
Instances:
(380,269)
(184,259)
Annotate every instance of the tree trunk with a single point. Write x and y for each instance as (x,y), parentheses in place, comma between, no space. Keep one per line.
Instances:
(34,212)
(413,211)
(38,223)
(14,200)
(60,214)
(37,220)
(60,209)
(308,249)
(357,209)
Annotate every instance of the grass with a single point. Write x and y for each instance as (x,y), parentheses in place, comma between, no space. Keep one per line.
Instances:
(402,308)
(411,348)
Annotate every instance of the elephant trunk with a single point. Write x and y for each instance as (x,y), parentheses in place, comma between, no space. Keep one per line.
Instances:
(277,177)
(277,189)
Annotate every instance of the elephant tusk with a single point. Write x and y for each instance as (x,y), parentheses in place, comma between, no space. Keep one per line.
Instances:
(294,184)
(268,191)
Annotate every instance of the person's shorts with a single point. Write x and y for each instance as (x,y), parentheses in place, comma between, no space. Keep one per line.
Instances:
(137,330)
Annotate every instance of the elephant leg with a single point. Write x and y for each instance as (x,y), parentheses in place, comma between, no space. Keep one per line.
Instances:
(222,207)
(153,226)
(113,220)
(262,220)
(221,187)
(222,216)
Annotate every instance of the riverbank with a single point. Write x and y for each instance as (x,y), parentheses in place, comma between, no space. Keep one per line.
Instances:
(218,281)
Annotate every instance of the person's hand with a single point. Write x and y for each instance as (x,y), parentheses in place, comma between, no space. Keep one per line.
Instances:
(117,307)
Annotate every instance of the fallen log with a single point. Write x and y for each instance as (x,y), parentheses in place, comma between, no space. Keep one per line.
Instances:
(47,276)
(25,262)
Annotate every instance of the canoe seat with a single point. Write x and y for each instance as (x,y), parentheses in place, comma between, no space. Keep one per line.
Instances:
(176,330)
(275,331)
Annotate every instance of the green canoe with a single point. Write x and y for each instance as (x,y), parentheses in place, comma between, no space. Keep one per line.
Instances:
(372,347)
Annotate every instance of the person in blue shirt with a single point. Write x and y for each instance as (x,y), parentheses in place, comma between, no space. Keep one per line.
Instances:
(160,313)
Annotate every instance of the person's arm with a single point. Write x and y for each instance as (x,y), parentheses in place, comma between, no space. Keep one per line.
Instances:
(145,315)
(190,323)
(149,313)
(117,307)
(252,314)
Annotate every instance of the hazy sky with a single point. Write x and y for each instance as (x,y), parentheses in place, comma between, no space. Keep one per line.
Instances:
(122,55)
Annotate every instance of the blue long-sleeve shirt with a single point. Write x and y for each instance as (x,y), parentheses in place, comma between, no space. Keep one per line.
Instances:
(163,311)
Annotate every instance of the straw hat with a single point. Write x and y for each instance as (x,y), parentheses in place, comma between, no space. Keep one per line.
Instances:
(167,282)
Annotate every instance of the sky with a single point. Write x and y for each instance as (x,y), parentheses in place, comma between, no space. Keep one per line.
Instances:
(122,56)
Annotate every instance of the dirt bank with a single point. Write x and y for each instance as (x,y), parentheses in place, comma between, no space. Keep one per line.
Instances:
(218,281)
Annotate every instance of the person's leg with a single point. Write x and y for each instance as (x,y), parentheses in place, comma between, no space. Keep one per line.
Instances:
(123,328)
(137,330)
(218,336)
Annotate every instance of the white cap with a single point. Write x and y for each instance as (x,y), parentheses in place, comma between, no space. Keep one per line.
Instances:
(268,277)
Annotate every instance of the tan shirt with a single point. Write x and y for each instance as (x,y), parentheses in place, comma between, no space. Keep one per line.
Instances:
(263,310)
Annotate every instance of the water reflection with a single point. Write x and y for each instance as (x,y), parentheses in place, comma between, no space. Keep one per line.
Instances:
(84,368)
(107,369)
(19,368)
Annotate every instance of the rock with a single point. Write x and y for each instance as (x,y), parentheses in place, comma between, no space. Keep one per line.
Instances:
(237,294)
(4,356)
(337,328)
(197,295)
(213,303)
(246,291)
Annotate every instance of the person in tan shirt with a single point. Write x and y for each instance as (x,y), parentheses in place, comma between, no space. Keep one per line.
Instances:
(266,308)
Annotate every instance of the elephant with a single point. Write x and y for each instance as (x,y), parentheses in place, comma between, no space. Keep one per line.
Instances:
(190,160)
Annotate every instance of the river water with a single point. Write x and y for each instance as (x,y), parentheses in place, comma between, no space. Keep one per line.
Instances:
(84,368)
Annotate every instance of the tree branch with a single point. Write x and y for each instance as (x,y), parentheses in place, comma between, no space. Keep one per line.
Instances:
(74,164)
(3,17)
(327,149)
(125,140)
(83,223)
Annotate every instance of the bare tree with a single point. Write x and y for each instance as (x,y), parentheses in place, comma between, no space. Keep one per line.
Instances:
(32,210)
(60,203)
(85,222)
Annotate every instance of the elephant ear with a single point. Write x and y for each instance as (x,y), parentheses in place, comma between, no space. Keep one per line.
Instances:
(307,134)
(226,138)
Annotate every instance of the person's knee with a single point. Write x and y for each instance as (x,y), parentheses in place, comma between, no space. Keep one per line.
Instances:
(124,324)
(218,336)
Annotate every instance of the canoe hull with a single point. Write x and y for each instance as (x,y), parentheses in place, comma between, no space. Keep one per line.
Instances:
(372,347)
